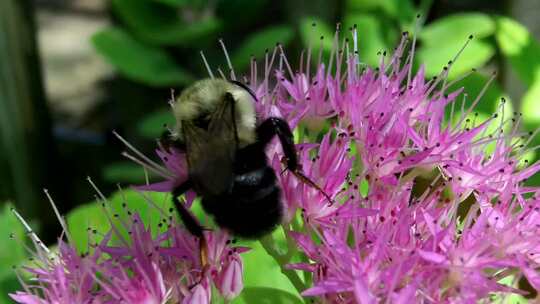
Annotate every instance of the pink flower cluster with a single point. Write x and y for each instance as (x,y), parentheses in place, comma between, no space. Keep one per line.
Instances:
(144,268)
(446,215)
(429,204)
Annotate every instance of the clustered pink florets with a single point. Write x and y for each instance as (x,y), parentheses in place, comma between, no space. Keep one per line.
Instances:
(142,269)
(449,239)
(396,243)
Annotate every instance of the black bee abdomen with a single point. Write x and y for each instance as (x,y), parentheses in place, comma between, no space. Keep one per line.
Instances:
(253,208)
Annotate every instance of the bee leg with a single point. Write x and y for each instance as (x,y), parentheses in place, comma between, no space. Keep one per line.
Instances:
(191,223)
(277,126)
(306,180)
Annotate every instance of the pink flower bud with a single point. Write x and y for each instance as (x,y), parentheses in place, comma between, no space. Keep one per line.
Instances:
(200,294)
(229,281)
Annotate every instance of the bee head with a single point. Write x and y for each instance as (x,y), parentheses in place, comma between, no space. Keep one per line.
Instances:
(198,102)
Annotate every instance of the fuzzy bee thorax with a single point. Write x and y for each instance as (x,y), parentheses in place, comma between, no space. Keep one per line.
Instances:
(203,97)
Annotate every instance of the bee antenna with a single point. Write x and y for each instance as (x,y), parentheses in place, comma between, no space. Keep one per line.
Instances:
(245,87)
(308,181)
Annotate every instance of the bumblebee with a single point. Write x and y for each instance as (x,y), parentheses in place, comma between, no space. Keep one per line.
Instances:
(217,127)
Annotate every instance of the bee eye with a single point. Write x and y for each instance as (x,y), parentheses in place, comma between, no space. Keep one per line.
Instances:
(202,121)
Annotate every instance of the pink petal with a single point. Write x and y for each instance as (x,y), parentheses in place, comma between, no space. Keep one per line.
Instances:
(432,256)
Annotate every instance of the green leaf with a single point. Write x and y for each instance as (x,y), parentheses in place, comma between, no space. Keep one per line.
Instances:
(311,35)
(11,253)
(475,55)
(529,104)
(362,5)
(125,172)
(531,120)
(257,43)
(86,218)
(151,125)
(505,297)
(370,37)
(137,61)
(402,10)
(364,187)
(456,28)
(185,35)
(159,24)
(473,85)
(9,284)
(311,38)
(266,295)
(153,207)
(520,48)
(523,53)
(261,270)
(489,103)
(81,219)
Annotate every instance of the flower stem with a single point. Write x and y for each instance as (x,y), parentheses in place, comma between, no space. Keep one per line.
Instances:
(268,244)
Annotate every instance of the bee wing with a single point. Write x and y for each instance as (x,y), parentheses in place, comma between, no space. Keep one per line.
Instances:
(223,122)
(211,153)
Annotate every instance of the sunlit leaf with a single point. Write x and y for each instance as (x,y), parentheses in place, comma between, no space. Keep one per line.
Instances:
(455,28)
(473,86)
(531,120)
(266,295)
(508,298)
(363,5)
(90,222)
(402,10)
(523,53)
(370,37)
(397,13)
(257,43)
(529,104)
(82,220)
(311,31)
(490,102)
(159,24)
(364,187)
(138,61)
(475,55)
(520,48)
(261,270)
(11,253)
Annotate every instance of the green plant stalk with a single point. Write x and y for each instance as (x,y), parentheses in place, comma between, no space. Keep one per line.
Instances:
(297,225)
(26,143)
(268,244)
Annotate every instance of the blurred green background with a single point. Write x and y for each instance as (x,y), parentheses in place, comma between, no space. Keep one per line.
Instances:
(73,71)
